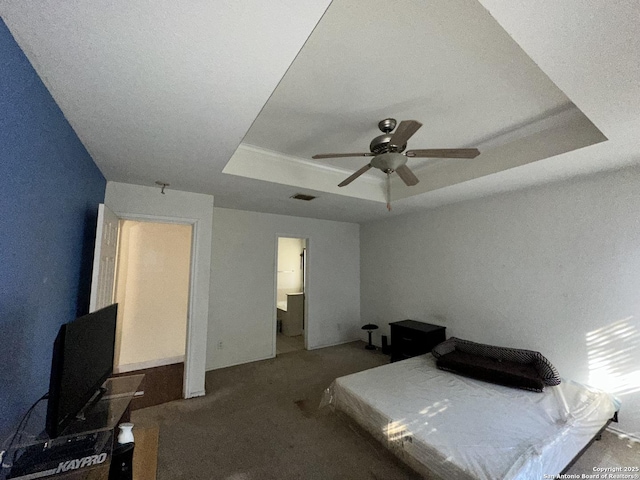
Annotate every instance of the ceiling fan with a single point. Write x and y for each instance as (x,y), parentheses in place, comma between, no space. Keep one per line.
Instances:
(387,152)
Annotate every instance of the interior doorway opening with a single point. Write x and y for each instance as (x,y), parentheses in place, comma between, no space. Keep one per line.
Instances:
(291,308)
(152,285)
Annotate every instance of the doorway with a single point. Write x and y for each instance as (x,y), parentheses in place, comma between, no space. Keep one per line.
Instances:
(291,308)
(152,290)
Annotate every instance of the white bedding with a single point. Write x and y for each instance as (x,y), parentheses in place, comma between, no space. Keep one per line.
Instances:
(452,427)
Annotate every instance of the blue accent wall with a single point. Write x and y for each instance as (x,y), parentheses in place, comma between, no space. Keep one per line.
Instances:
(50,189)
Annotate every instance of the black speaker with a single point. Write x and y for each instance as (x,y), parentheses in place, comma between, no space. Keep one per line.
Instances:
(385,345)
(122,462)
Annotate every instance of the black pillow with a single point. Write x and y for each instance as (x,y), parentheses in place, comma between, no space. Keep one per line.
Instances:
(545,369)
(502,372)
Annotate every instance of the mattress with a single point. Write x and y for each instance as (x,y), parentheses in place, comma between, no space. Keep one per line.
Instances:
(452,427)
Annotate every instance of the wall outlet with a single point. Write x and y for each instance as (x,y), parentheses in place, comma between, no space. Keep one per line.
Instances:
(220,347)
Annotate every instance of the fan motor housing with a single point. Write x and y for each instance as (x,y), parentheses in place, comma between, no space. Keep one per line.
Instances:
(381,144)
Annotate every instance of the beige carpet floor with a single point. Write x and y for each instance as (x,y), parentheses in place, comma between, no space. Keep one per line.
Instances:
(261,421)
(286,344)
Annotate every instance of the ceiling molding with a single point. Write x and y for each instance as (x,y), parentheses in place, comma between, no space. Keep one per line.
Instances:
(567,131)
(293,161)
(260,164)
(560,131)
(556,118)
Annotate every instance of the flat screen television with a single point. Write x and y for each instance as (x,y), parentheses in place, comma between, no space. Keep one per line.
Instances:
(82,361)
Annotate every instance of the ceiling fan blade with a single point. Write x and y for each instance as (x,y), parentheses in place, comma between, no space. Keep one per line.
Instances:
(404,132)
(340,155)
(444,153)
(354,176)
(407,175)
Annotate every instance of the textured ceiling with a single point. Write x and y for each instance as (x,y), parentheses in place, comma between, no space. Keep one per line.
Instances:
(167,90)
(447,64)
(164,89)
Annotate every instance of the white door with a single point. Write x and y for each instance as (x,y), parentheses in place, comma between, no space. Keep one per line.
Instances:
(104,259)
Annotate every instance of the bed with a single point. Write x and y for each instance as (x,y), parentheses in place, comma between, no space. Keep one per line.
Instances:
(448,426)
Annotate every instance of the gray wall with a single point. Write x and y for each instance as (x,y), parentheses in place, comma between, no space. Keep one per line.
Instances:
(139,202)
(242,307)
(554,268)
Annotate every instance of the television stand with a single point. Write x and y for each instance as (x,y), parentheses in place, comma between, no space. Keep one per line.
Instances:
(85,445)
(101,392)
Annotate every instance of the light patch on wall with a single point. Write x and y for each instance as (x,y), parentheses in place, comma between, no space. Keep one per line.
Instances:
(152,290)
(290,275)
(614,357)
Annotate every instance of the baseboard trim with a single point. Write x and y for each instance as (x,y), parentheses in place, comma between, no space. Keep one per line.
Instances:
(241,362)
(327,345)
(199,393)
(130,367)
(342,342)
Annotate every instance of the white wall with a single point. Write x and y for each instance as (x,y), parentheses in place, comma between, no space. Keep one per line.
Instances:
(554,268)
(139,202)
(242,307)
(290,273)
(152,292)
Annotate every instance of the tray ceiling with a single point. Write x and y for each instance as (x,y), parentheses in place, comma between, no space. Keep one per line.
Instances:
(168,91)
(449,65)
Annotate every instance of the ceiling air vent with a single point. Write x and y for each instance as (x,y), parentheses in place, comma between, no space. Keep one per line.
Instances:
(302,196)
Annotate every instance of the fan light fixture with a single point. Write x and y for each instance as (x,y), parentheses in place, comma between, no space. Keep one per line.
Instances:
(386,150)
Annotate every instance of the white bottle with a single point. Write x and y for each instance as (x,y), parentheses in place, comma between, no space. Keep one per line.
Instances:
(126,434)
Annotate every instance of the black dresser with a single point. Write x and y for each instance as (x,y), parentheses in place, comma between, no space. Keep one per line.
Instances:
(410,338)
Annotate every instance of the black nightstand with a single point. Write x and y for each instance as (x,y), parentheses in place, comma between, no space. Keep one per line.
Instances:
(410,338)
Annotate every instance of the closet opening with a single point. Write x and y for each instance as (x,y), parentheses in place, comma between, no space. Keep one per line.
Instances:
(152,287)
